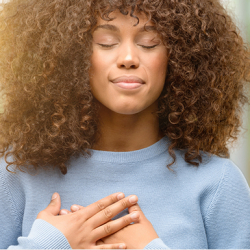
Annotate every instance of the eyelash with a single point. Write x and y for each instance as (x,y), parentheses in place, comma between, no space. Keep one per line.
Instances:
(109,46)
(148,47)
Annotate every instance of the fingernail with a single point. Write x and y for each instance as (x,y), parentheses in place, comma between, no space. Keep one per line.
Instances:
(120,196)
(63,212)
(133,199)
(134,216)
(122,246)
(54,196)
(75,208)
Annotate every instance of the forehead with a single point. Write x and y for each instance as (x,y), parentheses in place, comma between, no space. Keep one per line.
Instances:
(138,21)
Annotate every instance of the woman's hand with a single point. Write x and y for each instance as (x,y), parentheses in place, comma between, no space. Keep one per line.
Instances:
(86,226)
(135,236)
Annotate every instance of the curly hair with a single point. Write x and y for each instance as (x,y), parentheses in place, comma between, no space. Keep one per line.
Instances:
(49,112)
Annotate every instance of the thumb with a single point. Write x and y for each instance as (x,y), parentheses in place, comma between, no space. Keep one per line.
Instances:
(55,205)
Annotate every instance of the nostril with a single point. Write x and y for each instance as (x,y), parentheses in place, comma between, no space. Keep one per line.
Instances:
(130,66)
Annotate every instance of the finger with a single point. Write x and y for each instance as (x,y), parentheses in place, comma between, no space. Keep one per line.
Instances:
(111,246)
(54,206)
(100,242)
(136,208)
(114,226)
(111,211)
(75,208)
(98,206)
(64,212)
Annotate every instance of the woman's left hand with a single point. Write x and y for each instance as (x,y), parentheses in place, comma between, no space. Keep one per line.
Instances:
(135,236)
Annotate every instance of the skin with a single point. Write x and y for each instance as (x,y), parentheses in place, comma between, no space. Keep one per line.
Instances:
(123,113)
(84,228)
(119,49)
(134,236)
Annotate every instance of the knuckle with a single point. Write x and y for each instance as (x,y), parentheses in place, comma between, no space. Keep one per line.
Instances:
(126,220)
(78,219)
(100,206)
(108,213)
(81,215)
(74,219)
(135,208)
(113,199)
(124,203)
(107,229)
(91,238)
(52,203)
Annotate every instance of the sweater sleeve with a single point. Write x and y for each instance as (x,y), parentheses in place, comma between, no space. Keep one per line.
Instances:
(156,244)
(42,234)
(227,221)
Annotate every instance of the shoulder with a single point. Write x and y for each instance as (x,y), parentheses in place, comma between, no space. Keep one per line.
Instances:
(223,171)
(216,180)
(12,203)
(12,189)
(231,186)
(10,178)
(7,179)
(214,168)
(225,205)
(228,178)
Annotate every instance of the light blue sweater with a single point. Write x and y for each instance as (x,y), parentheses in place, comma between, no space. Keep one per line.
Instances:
(204,207)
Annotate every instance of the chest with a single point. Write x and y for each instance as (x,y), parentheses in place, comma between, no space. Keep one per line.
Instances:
(175,216)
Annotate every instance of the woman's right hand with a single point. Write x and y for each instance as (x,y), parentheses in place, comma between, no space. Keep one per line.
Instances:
(86,226)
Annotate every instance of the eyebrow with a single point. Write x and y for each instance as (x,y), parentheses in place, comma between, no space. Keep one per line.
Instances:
(116,29)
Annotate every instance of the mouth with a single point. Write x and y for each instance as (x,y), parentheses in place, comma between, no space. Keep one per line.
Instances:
(128,82)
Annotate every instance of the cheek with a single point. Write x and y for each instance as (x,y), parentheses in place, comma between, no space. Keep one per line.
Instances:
(97,63)
(101,60)
(99,72)
(156,66)
(157,70)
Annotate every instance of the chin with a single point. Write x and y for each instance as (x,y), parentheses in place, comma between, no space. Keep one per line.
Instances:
(127,111)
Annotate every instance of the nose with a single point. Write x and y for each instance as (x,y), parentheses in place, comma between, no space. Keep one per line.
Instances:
(128,58)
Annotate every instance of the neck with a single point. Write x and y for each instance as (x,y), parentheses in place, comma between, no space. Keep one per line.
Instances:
(122,133)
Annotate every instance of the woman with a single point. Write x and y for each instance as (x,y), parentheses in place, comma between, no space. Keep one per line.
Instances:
(113,98)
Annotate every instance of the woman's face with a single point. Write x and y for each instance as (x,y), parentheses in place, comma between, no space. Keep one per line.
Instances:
(129,64)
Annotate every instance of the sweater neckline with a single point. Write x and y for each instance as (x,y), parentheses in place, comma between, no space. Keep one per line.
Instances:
(131,156)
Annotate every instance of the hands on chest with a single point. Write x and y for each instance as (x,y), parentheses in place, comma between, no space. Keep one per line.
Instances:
(93,227)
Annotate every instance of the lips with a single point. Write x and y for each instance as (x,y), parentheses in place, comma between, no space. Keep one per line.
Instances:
(128,82)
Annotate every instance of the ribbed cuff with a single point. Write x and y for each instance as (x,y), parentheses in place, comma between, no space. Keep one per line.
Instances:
(44,236)
(156,244)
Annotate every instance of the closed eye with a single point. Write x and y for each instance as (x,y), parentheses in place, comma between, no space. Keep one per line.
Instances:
(111,45)
(106,45)
(149,47)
